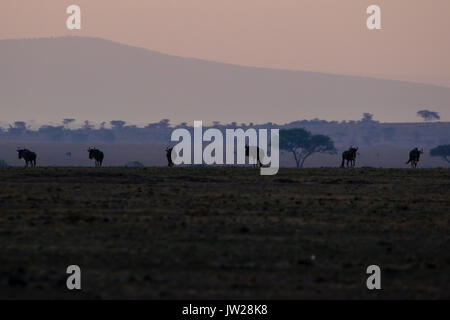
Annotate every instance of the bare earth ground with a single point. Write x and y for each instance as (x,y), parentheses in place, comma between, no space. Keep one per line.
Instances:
(224,232)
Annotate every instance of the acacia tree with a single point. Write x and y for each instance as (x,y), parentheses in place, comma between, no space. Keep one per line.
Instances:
(428,115)
(442,151)
(117,124)
(303,144)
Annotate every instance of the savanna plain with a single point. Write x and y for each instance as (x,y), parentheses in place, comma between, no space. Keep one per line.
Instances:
(224,232)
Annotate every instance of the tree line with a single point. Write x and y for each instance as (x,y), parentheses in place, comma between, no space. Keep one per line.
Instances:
(364,132)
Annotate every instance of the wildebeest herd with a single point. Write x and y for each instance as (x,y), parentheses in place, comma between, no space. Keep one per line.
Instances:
(348,156)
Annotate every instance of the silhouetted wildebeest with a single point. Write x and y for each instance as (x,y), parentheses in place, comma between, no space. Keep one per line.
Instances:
(28,156)
(349,156)
(414,157)
(169,156)
(97,155)
(254,153)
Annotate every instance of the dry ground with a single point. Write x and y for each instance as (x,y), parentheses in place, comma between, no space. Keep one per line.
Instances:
(224,232)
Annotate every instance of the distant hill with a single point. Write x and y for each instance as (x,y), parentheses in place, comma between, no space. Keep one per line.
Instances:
(88,78)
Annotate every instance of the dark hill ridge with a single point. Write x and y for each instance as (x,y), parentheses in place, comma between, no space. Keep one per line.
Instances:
(89,78)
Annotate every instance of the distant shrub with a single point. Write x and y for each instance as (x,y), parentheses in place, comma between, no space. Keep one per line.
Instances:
(134,164)
(3,163)
(442,151)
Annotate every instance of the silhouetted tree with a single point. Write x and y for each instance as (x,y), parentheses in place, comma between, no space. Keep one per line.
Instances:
(442,151)
(19,127)
(428,115)
(66,122)
(88,125)
(367,117)
(117,124)
(302,144)
(164,123)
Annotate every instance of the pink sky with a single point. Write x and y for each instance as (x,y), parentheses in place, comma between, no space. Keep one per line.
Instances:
(317,35)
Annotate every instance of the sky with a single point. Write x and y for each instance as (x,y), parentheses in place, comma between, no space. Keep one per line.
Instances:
(315,35)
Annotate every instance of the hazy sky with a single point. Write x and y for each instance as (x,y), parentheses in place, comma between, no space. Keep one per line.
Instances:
(317,35)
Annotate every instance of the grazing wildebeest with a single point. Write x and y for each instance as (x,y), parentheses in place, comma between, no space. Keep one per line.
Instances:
(414,157)
(28,156)
(349,156)
(97,155)
(254,153)
(169,156)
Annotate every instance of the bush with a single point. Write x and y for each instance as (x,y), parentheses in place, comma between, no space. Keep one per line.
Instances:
(134,164)
(442,151)
(3,163)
